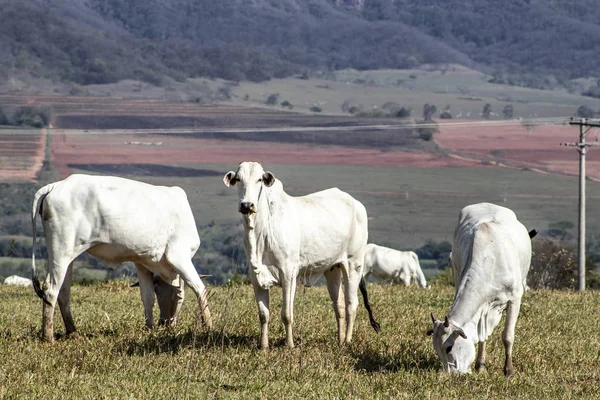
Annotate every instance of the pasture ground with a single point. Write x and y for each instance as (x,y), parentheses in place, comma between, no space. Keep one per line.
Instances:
(556,354)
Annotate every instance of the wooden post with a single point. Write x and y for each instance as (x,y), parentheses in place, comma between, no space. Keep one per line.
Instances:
(584,126)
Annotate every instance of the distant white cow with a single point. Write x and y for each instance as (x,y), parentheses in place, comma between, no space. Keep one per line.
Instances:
(321,233)
(17,281)
(490,259)
(115,220)
(397,266)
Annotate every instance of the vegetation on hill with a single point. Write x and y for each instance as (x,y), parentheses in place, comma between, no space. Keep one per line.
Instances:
(523,42)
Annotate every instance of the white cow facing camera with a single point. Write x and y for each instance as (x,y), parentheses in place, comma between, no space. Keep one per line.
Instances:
(320,233)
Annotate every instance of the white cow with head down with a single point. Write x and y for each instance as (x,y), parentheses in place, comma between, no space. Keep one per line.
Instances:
(320,233)
(16,280)
(490,259)
(115,220)
(389,264)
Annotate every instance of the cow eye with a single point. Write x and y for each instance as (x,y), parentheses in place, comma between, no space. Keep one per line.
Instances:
(448,349)
(259,180)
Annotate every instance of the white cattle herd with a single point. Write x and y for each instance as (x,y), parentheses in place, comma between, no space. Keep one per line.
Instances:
(285,238)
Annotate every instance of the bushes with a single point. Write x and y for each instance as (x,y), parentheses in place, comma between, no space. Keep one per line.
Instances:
(36,117)
(553,265)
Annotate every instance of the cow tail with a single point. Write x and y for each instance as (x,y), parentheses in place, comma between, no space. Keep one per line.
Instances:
(36,208)
(363,290)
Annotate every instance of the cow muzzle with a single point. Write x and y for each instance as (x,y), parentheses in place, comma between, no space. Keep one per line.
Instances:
(247,207)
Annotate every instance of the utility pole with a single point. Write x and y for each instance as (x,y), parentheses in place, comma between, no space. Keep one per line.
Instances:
(585,124)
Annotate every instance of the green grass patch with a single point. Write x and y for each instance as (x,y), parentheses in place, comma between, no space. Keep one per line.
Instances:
(556,351)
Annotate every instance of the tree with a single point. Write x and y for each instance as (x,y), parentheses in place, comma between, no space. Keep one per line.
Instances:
(446,114)
(272,99)
(487,110)
(585,112)
(508,111)
(403,112)
(428,111)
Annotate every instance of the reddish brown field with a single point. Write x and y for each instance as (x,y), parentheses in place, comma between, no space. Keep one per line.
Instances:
(513,145)
(21,154)
(463,143)
(69,148)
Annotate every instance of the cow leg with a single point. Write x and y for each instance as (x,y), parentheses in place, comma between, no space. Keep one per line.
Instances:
(480,363)
(333,278)
(262,301)
(187,272)
(58,270)
(64,301)
(288,287)
(352,277)
(508,335)
(145,277)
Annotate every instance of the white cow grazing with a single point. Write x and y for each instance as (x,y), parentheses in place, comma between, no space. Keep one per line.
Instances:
(169,299)
(320,233)
(17,281)
(115,220)
(490,259)
(389,264)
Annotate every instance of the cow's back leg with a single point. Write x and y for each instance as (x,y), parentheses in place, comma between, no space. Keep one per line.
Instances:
(288,286)
(64,301)
(145,277)
(185,269)
(57,267)
(333,277)
(352,274)
(262,301)
(508,335)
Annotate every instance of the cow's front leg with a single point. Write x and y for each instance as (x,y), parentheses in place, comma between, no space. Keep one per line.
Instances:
(145,277)
(353,276)
(334,286)
(288,285)
(480,363)
(262,301)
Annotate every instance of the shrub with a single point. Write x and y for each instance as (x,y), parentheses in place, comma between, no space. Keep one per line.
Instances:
(272,99)
(316,109)
(552,265)
(287,104)
(403,112)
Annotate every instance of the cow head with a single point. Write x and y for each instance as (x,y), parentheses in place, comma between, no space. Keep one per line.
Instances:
(452,346)
(250,179)
(169,301)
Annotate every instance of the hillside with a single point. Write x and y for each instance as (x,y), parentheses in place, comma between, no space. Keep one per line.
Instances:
(523,42)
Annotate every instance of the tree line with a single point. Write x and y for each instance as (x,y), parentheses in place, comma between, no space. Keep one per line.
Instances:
(519,42)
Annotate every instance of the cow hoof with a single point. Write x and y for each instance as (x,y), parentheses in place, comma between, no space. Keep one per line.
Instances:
(480,367)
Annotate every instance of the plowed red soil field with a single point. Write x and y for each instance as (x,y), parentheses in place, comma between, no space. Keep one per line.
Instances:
(513,145)
(69,149)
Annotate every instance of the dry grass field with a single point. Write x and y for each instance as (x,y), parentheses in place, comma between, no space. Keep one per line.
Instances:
(556,354)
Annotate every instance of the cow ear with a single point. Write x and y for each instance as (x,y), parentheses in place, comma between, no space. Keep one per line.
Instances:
(268,179)
(461,333)
(229,179)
